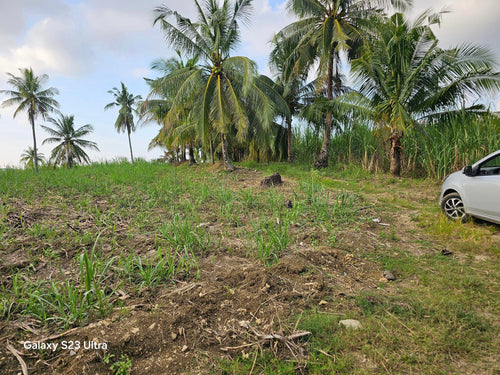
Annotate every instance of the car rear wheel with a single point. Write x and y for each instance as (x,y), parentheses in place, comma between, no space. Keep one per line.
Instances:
(453,207)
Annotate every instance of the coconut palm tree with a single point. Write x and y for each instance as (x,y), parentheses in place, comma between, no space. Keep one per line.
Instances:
(404,77)
(70,143)
(222,87)
(29,95)
(28,158)
(324,30)
(159,101)
(125,120)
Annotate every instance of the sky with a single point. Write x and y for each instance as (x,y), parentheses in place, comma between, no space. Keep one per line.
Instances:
(87,47)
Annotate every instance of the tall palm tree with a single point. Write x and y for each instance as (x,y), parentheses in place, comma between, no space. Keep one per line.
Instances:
(325,28)
(222,87)
(70,142)
(28,158)
(404,76)
(31,96)
(125,120)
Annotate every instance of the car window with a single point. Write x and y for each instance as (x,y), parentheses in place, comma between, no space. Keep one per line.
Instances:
(491,167)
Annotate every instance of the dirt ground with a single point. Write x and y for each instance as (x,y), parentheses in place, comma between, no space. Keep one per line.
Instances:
(235,305)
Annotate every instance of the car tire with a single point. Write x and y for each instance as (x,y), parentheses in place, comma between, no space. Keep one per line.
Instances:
(453,207)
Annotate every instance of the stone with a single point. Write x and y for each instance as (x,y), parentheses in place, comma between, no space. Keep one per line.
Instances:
(446,252)
(350,323)
(388,275)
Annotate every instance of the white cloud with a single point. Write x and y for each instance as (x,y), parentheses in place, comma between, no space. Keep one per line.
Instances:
(51,43)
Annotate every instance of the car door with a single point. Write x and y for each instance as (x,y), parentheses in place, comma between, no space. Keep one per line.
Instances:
(483,190)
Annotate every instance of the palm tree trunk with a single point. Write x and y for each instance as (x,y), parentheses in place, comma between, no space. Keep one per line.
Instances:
(212,159)
(68,156)
(225,154)
(322,161)
(289,136)
(395,152)
(130,145)
(35,153)
(183,153)
(192,160)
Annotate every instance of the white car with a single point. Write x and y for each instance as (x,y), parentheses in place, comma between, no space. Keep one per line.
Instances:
(474,191)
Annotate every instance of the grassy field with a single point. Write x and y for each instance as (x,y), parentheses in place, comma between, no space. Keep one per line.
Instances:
(195,270)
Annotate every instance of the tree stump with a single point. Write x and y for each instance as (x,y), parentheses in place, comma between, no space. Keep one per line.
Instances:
(272,180)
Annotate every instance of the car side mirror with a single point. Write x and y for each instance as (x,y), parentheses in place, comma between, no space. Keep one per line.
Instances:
(468,171)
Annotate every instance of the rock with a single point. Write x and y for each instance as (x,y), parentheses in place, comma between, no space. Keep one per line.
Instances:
(350,323)
(383,280)
(185,348)
(388,275)
(135,330)
(322,302)
(288,203)
(272,180)
(446,252)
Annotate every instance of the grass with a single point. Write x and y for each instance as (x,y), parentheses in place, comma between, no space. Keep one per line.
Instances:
(143,227)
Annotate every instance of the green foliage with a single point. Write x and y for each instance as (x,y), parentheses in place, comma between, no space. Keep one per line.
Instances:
(185,235)
(159,269)
(121,367)
(268,240)
(449,145)
(63,302)
(223,98)
(404,76)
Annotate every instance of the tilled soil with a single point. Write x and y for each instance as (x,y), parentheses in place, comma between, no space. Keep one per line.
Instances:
(234,305)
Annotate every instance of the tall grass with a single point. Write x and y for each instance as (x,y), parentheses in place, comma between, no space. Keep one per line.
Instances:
(430,150)
(441,148)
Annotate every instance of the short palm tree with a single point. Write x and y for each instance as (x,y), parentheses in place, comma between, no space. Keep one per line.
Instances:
(404,76)
(324,30)
(29,95)
(28,158)
(125,120)
(222,88)
(70,143)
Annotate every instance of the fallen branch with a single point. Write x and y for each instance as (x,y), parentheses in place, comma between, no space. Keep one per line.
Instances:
(16,354)
(286,340)
(227,348)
